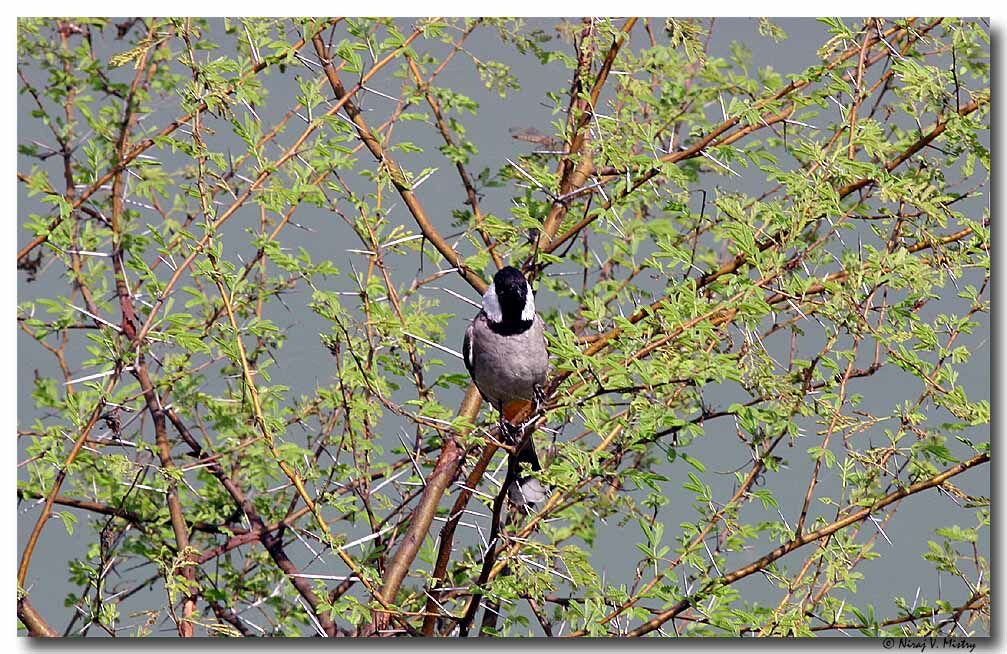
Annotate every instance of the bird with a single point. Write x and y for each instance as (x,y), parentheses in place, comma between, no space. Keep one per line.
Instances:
(505,353)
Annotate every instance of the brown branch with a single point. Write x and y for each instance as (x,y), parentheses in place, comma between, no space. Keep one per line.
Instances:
(489,557)
(809,537)
(928,243)
(132,517)
(740,259)
(858,94)
(43,518)
(447,536)
(228,615)
(451,455)
(290,153)
(437,483)
(85,505)
(175,511)
(33,621)
(796,85)
(145,145)
(710,140)
(918,145)
(976,603)
(396,175)
(650,174)
(470,190)
(739,494)
(178,523)
(271,538)
(572,176)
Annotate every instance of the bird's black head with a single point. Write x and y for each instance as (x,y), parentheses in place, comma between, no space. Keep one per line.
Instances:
(511,291)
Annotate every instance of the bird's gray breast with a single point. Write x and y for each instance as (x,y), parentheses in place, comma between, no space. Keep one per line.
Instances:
(507,367)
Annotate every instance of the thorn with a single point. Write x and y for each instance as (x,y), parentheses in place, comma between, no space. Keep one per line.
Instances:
(435,345)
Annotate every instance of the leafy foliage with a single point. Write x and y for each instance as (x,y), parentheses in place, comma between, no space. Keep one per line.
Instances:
(763,292)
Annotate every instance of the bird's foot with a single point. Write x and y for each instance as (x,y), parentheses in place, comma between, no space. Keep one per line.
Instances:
(508,432)
(539,397)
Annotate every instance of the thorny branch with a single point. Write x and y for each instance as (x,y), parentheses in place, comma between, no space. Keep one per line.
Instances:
(611,371)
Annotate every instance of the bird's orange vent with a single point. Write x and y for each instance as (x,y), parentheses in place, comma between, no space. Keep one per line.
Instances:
(512,409)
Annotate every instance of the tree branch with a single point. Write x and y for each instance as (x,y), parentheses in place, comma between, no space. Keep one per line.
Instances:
(398,178)
(808,537)
(35,624)
(146,144)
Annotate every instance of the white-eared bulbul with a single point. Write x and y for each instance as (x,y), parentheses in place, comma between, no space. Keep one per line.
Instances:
(505,353)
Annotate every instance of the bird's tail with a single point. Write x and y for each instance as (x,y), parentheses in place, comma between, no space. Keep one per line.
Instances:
(525,491)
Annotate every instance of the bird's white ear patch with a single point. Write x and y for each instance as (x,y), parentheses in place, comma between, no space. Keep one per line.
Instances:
(528,313)
(491,305)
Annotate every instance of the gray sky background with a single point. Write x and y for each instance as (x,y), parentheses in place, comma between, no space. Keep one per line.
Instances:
(303,363)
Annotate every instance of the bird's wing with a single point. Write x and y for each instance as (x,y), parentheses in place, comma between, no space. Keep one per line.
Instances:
(467,349)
